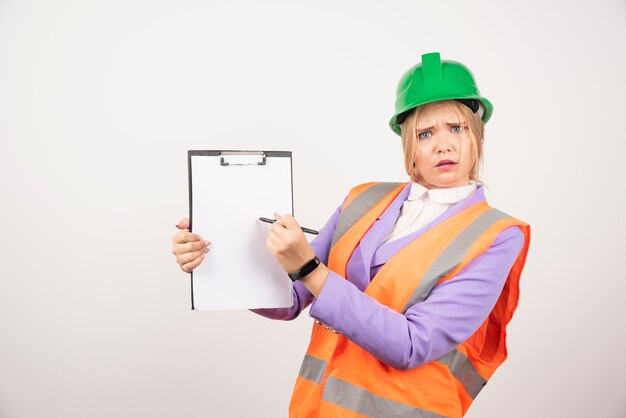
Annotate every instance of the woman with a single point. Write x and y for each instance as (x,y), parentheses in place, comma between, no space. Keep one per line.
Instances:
(411,284)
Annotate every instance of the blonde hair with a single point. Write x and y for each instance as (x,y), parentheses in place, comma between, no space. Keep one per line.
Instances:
(410,142)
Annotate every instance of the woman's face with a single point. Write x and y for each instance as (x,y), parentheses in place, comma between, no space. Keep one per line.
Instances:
(443,135)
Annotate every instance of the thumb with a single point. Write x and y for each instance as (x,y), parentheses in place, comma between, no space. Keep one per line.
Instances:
(183,224)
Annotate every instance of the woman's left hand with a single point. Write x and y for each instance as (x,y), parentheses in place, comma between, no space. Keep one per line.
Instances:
(287,243)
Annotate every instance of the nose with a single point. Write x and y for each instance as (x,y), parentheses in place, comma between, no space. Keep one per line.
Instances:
(444,144)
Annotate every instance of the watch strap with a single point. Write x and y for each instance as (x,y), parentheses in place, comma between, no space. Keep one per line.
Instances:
(305,269)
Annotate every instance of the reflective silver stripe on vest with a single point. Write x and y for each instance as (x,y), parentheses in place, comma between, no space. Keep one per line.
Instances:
(459,365)
(362,402)
(359,206)
(453,254)
(312,368)
(463,369)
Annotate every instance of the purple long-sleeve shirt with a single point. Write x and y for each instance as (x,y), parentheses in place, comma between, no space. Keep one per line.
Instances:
(452,313)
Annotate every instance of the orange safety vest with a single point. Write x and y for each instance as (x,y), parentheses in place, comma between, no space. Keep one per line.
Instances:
(340,379)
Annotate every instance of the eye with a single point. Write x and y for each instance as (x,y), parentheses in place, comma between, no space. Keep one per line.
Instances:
(424,135)
(458,128)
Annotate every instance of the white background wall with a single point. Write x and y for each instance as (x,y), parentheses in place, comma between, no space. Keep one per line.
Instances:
(100,100)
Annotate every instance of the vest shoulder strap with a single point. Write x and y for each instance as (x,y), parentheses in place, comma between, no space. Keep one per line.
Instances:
(361,199)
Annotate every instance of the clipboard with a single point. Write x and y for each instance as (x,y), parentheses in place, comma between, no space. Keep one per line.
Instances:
(228,192)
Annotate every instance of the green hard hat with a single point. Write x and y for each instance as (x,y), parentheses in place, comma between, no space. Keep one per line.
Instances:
(433,80)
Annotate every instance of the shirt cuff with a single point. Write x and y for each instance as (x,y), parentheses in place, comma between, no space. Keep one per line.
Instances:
(324,307)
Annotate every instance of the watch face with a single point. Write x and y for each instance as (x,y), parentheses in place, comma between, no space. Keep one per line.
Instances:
(309,267)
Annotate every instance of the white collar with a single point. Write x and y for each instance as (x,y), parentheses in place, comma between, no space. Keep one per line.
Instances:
(447,195)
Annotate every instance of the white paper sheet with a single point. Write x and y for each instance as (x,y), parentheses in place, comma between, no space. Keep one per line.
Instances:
(239,272)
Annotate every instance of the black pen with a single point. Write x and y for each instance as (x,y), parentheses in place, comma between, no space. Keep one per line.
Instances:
(307,230)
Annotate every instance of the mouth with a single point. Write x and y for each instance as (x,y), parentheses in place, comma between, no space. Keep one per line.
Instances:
(445,163)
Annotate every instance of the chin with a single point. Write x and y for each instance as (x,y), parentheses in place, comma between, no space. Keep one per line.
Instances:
(442,181)
(442,184)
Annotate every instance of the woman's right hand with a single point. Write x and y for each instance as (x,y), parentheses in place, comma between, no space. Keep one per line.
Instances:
(189,249)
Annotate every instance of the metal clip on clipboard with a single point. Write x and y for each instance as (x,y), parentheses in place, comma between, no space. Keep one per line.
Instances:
(242,158)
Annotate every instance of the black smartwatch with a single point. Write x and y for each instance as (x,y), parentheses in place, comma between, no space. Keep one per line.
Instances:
(305,270)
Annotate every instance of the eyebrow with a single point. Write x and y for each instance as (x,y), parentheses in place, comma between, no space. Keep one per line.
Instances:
(447,123)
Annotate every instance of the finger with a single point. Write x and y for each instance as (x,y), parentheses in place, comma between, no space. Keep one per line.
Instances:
(278,237)
(187,268)
(271,246)
(190,257)
(278,219)
(190,247)
(180,249)
(183,224)
(290,222)
(279,232)
(184,236)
